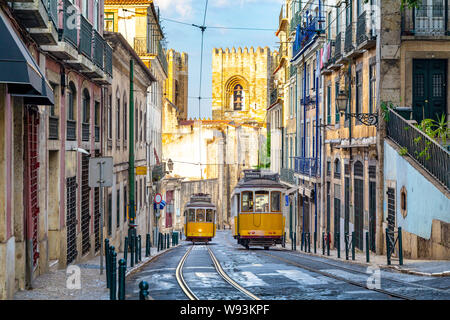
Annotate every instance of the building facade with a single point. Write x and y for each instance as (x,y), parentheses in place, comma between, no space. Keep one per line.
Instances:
(53,122)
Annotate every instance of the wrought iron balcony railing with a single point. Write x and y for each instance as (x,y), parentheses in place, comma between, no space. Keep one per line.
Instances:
(85,37)
(307,166)
(52,9)
(348,44)
(305,36)
(427,20)
(425,151)
(162,57)
(85,131)
(361,32)
(287,175)
(71,130)
(140,46)
(53,128)
(338,47)
(108,59)
(274,96)
(99,48)
(69,32)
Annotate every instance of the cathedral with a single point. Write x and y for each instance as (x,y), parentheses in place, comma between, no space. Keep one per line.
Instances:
(216,150)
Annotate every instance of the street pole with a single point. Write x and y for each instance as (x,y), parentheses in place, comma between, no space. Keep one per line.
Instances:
(101,216)
(131,176)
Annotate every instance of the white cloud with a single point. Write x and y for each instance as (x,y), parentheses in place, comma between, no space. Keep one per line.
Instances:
(175,8)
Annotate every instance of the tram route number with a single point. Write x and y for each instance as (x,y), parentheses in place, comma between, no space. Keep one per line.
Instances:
(227,309)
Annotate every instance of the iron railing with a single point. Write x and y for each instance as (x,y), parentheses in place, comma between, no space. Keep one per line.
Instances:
(348,44)
(71,130)
(306,36)
(287,175)
(424,150)
(361,29)
(338,47)
(52,9)
(295,21)
(427,20)
(85,131)
(274,96)
(69,32)
(99,48)
(53,128)
(162,57)
(85,37)
(108,59)
(307,166)
(292,70)
(140,46)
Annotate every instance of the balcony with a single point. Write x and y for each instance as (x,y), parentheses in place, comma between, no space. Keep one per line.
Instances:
(307,166)
(41,19)
(426,20)
(85,44)
(140,46)
(99,50)
(162,57)
(422,149)
(274,96)
(348,42)
(338,47)
(282,20)
(287,175)
(305,36)
(53,128)
(71,130)
(85,131)
(295,21)
(365,34)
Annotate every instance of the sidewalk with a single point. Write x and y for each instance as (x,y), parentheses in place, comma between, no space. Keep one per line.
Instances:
(435,268)
(53,285)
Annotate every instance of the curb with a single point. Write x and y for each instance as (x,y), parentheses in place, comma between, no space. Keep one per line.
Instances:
(146,260)
(381,266)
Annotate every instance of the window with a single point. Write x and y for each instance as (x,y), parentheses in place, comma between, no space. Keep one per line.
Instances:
(261,201)
(71,94)
(336,93)
(275,201)
(329,104)
(118,208)
(337,169)
(86,106)
(200,217)
(209,215)
(372,87)
(238,97)
(118,116)
(359,93)
(96,15)
(348,13)
(86,8)
(191,215)
(96,113)
(109,21)
(329,26)
(247,201)
(337,20)
(110,125)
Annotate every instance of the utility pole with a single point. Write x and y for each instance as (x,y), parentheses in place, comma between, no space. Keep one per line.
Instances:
(131,173)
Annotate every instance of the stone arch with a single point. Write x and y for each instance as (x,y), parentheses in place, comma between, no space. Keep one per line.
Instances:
(237,89)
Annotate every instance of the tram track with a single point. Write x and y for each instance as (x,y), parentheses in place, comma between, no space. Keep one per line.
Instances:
(217,266)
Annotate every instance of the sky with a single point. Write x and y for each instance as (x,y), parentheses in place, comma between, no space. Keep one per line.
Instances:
(223,13)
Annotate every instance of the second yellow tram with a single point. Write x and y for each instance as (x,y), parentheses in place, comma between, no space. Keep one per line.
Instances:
(257,209)
(200,218)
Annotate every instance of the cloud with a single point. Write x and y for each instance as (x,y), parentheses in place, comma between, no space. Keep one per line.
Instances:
(181,8)
(241,3)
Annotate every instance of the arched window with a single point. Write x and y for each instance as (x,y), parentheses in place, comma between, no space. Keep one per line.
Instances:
(358,169)
(118,115)
(337,169)
(238,97)
(71,94)
(86,106)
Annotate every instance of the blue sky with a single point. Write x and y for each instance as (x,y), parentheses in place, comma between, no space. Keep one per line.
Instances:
(224,13)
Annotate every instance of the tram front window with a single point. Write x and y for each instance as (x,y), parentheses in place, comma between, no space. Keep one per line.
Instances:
(275,199)
(209,215)
(262,201)
(200,215)
(191,215)
(247,201)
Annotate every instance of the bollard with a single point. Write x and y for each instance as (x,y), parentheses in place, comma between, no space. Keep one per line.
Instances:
(338,244)
(346,245)
(113,290)
(125,250)
(143,290)
(328,244)
(302,241)
(388,254)
(292,243)
(367,247)
(353,245)
(140,247)
(136,249)
(168,240)
(295,241)
(315,240)
(323,243)
(400,246)
(132,250)
(122,271)
(147,245)
(107,262)
(158,242)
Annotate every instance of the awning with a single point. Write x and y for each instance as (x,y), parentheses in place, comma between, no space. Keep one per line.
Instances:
(19,70)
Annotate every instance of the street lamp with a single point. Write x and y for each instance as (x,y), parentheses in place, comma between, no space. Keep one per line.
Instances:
(368,119)
(170,165)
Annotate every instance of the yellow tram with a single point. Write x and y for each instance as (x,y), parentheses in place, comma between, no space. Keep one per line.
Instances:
(200,218)
(257,209)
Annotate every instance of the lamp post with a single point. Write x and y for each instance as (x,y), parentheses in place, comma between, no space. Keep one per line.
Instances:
(368,119)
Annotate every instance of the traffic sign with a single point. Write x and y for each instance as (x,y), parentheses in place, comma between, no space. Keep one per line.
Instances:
(100,172)
(141,171)
(158,198)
